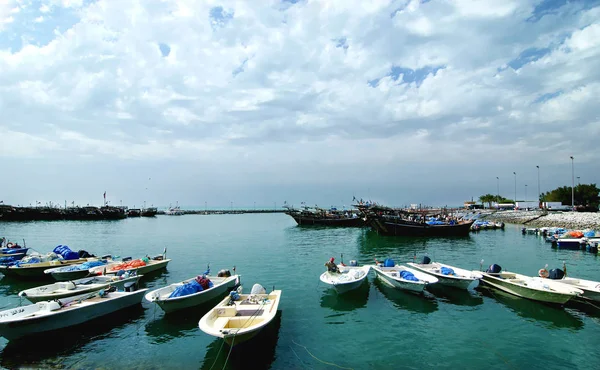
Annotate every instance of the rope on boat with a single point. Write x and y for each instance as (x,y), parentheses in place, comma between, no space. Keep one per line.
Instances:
(321,361)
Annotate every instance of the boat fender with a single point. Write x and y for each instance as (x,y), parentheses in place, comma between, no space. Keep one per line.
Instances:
(543,273)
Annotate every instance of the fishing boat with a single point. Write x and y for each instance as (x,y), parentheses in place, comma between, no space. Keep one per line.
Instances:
(47,316)
(78,271)
(149,212)
(36,270)
(348,278)
(447,275)
(142,266)
(590,288)
(13,252)
(193,291)
(65,289)
(401,277)
(534,288)
(239,317)
(307,216)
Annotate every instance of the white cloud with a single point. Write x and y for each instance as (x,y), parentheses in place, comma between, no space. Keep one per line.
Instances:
(282,88)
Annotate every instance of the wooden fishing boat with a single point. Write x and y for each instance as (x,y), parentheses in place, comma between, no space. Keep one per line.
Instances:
(534,288)
(36,270)
(349,277)
(164,299)
(65,289)
(47,316)
(333,217)
(239,317)
(447,275)
(401,277)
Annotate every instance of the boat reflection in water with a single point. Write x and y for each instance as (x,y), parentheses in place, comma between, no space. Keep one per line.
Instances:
(348,301)
(420,303)
(455,296)
(551,316)
(47,350)
(257,353)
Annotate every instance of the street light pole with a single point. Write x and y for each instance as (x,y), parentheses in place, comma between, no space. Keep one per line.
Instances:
(514,173)
(539,194)
(526,192)
(498,186)
(572,183)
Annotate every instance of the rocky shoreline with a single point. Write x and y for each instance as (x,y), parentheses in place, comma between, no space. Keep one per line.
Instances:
(569,220)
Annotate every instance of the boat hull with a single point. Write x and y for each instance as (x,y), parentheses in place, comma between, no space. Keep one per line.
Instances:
(331,222)
(38,325)
(392,227)
(415,287)
(154,265)
(526,292)
(341,285)
(180,303)
(70,275)
(33,271)
(449,281)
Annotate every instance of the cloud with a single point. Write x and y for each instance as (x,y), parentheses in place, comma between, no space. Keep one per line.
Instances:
(285,89)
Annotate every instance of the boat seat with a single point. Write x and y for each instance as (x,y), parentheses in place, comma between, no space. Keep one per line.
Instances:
(249,312)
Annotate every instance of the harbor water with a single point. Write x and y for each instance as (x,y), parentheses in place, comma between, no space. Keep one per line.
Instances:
(375,327)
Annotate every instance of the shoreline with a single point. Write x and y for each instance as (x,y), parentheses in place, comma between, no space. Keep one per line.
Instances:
(569,220)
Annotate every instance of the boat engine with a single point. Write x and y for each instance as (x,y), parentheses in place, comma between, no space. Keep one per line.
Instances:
(426,260)
(224,273)
(130,286)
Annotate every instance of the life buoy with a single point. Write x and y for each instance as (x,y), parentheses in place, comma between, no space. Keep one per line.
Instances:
(10,245)
(543,273)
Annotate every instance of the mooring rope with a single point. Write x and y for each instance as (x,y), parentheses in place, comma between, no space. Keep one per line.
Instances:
(321,361)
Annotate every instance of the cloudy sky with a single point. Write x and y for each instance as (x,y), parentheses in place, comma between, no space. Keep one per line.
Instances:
(243,102)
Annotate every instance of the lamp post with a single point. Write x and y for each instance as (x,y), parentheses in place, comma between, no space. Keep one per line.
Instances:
(539,193)
(572,183)
(514,173)
(526,192)
(498,190)
(578,182)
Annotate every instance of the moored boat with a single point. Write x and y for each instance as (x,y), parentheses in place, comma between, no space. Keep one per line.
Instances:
(326,217)
(65,289)
(77,271)
(534,288)
(36,270)
(590,288)
(239,317)
(47,316)
(13,252)
(447,275)
(401,277)
(348,278)
(193,291)
(142,266)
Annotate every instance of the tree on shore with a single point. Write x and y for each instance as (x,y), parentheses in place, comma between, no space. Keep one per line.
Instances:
(489,198)
(586,196)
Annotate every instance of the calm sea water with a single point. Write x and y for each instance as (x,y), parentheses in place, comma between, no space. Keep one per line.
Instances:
(376,327)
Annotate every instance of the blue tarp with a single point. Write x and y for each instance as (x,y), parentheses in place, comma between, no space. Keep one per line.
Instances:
(436,223)
(186,289)
(589,234)
(447,271)
(407,275)
(66,252)
(84,266)
(388,263)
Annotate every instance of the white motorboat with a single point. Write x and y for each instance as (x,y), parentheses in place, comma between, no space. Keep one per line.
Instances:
(36,270)
(349,277)
(448,275)
(46,316)
(590,288)
(142,266)
(173,297)
(65,289)
(402,277)
(239,317)
(534,288)
(78,271)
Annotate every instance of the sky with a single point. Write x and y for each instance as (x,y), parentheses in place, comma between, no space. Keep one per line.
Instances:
(244,103)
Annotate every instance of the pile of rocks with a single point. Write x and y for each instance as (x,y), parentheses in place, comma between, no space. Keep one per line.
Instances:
(569,220)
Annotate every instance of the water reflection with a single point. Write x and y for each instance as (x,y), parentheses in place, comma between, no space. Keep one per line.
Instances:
(455,296)
(257,353)
(9,285)
(348,301)
(552,316)
(50,349)
(420,303)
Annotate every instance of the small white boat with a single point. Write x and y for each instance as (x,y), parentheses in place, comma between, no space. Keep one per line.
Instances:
(76,287)
(36,270)
(534,288)
(402,277)
(78,271)
(42,317)
(141,266)
(239,317)
(349,277)
(448,275)
(162,296)
(591,289)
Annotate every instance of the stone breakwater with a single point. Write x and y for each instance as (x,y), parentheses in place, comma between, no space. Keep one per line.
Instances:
(569,220)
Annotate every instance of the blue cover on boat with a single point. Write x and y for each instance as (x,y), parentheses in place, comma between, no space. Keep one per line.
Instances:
(66,252)
(31,260)
(407,275)
(389,263)
(447,271)
(436,222)
(8,261)
(186,289)
(589,234)
(84,266)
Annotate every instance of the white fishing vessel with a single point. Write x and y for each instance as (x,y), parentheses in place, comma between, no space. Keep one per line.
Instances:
(36,270)
(402,277)
(142,266)
(239,317)
(77,271)
(189,293)
(348,278)
(447,275)
(534,288)
(46,316)
(590,288)
(65,289)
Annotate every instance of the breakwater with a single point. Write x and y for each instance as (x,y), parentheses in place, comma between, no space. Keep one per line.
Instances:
(226,212)
(569,220)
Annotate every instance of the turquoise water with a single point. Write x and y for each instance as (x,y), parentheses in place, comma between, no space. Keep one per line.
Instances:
(374,328)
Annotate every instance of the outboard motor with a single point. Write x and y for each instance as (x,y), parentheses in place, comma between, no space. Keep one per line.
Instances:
(224,273)
(129,287)
(556,274)
(426,260)
(389,263)
(126,259)
(523,231)
(494,269)
(353,263)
